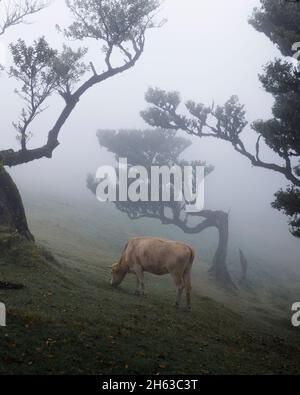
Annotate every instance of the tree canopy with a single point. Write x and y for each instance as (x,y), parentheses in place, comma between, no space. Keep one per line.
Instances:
(279,21)
(118,26)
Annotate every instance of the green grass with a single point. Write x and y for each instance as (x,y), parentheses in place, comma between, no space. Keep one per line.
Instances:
(68,320)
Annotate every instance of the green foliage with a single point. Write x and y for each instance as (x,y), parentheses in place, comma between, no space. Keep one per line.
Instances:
(280,21)
(289,202)
(33,63)
(116,22)
(230,119)
(225,122)
(280,77)
(42,71)
(144,147)
(163,114)
(69,67)
(282,133)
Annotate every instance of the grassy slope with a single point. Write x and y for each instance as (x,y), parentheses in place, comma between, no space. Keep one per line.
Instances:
(68,319)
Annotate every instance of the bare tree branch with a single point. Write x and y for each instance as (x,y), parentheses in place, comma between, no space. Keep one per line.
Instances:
(15,12)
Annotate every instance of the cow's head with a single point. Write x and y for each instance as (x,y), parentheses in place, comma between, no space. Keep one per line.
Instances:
(117,274)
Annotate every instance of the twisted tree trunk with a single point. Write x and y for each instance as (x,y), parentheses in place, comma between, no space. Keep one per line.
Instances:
(218,220)
(12,213)
(219,267)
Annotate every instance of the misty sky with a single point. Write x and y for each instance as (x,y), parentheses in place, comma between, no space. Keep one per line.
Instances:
(207,51)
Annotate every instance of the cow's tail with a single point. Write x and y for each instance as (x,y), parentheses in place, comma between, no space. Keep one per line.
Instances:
(192,257)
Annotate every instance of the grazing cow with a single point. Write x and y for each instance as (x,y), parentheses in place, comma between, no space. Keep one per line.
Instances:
(156,256)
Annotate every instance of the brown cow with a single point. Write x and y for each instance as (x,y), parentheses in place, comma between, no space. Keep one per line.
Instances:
(156,256)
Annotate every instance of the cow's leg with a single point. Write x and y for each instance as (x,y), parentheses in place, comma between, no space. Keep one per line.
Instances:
(137,287)
(179,283)
(178,297)
(140,285)
(188,287)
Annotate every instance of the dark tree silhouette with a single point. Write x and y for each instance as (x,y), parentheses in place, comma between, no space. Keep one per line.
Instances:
(118,26)
(149,148)
(12,212)
(280,22)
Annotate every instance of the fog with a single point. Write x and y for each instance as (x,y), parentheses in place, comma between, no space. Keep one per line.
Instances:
(207,51)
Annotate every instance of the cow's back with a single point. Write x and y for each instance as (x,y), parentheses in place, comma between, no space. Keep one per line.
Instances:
(158,256)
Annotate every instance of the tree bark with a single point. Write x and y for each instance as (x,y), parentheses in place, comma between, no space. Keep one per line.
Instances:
(219,267)
(12,213)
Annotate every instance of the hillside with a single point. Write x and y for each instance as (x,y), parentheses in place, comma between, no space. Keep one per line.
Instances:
(67,319)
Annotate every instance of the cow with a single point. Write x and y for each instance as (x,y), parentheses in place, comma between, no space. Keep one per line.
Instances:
(159,257)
